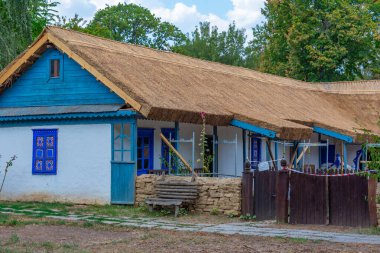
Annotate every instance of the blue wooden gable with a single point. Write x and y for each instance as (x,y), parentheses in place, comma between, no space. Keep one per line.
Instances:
(75,86)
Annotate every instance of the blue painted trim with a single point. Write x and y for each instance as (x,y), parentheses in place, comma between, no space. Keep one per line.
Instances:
(253,128)
(333,134)
(69,116)
(176,137)
(141,133)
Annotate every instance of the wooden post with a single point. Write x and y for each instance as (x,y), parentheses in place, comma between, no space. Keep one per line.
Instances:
(372,183)
(216,150)
(247,191)
(282,190)
(271,154)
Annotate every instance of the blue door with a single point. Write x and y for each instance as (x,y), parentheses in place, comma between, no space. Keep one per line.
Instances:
(123,165)
(145,138)
(255,151)
(331,153)
(167,132)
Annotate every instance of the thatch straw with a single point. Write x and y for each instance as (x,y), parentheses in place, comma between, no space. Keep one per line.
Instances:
(177,88)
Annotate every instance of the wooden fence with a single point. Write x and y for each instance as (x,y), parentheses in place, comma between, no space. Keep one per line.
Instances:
(336,200)
(308,199)
(265,194)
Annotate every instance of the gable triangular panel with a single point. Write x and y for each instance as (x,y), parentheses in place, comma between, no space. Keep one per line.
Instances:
(73,85)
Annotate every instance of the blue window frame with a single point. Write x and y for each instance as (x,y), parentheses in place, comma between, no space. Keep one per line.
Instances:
(323,151)
(145,138)
(122,143)
(167,132)
(44,151)
(255,151)
(55,67)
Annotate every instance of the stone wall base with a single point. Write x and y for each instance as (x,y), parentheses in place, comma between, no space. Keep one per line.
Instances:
(219,195)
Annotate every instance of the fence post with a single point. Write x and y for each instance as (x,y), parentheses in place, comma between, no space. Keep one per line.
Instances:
(247,191)
(282,196)
(372,183)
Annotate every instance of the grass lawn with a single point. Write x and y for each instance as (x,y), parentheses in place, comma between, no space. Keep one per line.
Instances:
(117,211)
(24,234)
(36,233)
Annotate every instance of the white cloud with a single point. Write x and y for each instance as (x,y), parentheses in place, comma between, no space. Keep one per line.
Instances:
(187,17)
(246,13)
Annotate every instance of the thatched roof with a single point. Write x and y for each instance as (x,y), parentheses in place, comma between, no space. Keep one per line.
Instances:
(168,86)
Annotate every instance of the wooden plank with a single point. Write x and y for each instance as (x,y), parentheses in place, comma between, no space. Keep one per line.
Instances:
(270,153)
(293,156)
(20,62)
(282,189)
(302,154)
(179,194)
(176,197)
(167,142)
(176,183)
(60,45)
(176,190)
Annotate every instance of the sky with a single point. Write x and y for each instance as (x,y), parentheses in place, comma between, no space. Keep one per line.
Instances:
(185,14)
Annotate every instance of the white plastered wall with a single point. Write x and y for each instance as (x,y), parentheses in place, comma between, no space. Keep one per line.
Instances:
(83,165)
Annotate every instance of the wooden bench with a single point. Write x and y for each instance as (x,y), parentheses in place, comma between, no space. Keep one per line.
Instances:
(173,193)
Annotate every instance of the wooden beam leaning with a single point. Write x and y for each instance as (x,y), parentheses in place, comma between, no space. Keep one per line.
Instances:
(302,154)
(60,45)
(294,155)
(21,61)
(270,153)
(167,142)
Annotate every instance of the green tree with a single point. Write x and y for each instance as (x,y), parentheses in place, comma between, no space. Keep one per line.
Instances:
(207,43)
(134,24)
(320,40)
(75,23)
(20,23)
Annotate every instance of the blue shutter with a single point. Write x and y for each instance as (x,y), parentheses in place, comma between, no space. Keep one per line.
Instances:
(44,152)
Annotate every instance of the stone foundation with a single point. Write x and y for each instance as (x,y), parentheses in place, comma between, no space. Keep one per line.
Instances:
(219,195)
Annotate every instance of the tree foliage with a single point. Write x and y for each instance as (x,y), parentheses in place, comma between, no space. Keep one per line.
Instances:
(20,24)
(134,24)
(320,40)
(207,43)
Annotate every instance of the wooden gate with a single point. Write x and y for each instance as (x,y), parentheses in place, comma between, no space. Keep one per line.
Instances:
(344,200)
(308,199)
(349,201)
(265,194)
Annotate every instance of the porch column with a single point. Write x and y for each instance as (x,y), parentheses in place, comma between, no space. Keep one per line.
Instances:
(215,148)
(344,155)
(176,135)
(244,145)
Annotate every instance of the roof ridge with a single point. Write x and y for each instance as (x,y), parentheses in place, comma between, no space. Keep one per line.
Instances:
(303,84)
(180,55)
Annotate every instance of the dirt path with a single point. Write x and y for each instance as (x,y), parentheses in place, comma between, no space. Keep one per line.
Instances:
(102,238)
(249,228)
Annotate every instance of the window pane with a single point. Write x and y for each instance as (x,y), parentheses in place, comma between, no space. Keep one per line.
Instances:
(127,156)
(116,130)
(117,143)
(146,141)
(127,144)
(54,68)
(139,165)
(139,142)
(146,164)
(127,130)
(139,153)
(117,156)
(146,152)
